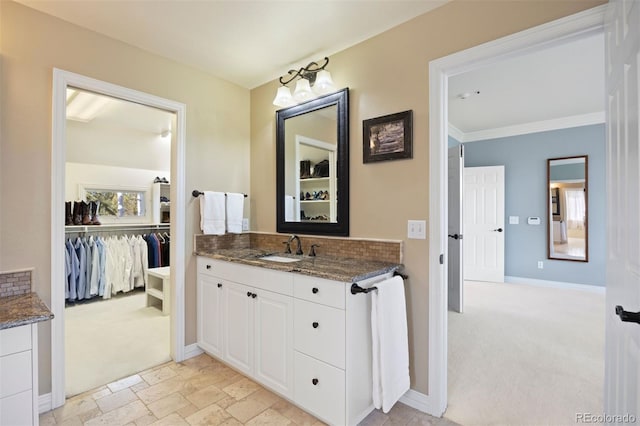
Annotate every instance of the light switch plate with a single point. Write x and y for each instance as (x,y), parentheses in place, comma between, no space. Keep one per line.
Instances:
(417,229)
(245,224)
(514,220)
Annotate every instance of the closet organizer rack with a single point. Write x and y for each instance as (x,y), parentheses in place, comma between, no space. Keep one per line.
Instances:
(197,193)
(356,289)
(74,229)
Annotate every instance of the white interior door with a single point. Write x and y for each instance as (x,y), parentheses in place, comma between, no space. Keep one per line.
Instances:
(622,356)
(454,247)
(483,223)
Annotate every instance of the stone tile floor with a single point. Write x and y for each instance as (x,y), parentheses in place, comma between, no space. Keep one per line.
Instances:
(199,391)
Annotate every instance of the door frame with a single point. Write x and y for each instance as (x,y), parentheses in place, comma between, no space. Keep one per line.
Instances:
(62,79)
(575,26)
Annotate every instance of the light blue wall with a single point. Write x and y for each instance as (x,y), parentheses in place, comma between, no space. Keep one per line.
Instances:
(566,172)
(525,160)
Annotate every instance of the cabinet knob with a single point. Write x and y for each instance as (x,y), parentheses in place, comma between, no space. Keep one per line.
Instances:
(248,294)
(219,285)
(208,266)
(314,290)
(315,324)
(254,295)
(314,381)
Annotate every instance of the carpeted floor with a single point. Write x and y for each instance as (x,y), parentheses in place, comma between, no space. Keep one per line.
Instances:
(525,355)
(110,339)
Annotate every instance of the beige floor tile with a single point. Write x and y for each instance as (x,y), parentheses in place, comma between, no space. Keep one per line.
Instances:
(206,396)
(167,405)
(200,361)
(241,388)
(231,422)
(420,421)
(298,416)
(121,416)
(187,410)
(226,402)
(211,415)
(246,409)
(116,400)
(71,421)
(91,414)
(145,420)
(375,418)
(47,419)
(101,393)
(159,375)
(74,407)
(269,417)
(265,396)
(160,390)
(197,382)
(139,386)
(124,383)
(171,420)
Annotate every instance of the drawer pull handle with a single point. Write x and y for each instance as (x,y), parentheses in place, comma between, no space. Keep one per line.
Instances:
(315,325)
(314,290)
(314,381)
(254,295)
(248,294)
(219,285)
(208,266)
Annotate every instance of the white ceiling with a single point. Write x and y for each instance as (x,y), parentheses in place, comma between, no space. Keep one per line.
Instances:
(253,42)
(245,42)
(557,87)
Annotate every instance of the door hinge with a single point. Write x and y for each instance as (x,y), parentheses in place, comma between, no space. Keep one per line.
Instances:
(461,151)
(442,259)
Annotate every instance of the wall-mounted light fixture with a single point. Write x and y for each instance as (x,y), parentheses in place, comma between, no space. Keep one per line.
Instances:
(314,80)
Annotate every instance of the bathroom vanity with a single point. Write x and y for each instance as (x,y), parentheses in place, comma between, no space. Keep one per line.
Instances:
(294,327)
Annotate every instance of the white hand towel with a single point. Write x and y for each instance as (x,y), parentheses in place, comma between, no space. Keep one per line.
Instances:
(235,205)
(390,343)
(212,213)
(288,208)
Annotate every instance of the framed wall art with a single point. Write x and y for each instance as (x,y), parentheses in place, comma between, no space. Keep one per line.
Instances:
(389,137)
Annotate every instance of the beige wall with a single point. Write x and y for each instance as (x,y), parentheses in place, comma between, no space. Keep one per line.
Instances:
(32,44)
(388,74)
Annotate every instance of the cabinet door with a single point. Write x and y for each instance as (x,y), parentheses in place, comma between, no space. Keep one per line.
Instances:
(238,326)
(210,316)
(274,341)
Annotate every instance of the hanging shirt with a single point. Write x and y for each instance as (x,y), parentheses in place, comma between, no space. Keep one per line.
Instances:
(82,270)
(72,281)
(102,258)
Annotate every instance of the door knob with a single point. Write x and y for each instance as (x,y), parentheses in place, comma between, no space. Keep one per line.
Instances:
(314,381)
(315,325)
(254,295)
(248,294)
(497,230)
(314,290)
(456,236)
(219,285)
(627,316)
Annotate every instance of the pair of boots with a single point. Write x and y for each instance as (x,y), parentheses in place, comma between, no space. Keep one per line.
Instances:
(82,213)
(305,169)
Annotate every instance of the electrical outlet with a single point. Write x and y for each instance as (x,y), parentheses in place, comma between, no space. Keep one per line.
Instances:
(540,264)
(417,229)
(245,224)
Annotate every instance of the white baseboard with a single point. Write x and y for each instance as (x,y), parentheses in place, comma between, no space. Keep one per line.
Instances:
(419,401)
(192,350)
(44,403)
(555,284)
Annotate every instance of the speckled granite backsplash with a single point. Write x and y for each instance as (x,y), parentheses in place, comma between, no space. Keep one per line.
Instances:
(378,250)
(15,283)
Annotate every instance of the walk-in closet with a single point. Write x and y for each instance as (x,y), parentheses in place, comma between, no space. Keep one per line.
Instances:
(117,239)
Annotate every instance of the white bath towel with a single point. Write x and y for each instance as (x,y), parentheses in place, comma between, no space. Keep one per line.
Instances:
(288,208)
(212,213)
(235,206)
(390,343)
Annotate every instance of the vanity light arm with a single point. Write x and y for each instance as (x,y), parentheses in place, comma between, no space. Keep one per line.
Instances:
(307,72)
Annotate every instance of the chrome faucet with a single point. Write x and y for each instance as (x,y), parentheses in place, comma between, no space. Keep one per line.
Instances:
(295,237)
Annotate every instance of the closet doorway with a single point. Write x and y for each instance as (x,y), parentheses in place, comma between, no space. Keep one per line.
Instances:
(121,154)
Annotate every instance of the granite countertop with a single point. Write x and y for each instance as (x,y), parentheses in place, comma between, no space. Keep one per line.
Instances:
(22,310)
(332,268)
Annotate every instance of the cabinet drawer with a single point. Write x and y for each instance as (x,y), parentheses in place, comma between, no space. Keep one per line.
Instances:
(17,409)
(319,331)
(16,339)
(320,388)
(253,276)
(15,373)
(319,290)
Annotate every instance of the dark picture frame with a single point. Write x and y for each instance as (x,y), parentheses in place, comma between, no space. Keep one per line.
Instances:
(389,137)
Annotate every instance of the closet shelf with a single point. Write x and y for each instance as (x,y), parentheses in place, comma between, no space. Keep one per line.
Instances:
(116,227)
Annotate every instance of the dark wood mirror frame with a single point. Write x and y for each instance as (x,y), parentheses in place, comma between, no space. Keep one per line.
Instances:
(554,210)
(341,226)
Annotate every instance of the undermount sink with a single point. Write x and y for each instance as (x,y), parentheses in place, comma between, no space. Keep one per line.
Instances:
(281,259)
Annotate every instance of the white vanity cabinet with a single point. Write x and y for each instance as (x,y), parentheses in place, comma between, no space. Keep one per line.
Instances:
(306,338)
(245,318)
(19,376)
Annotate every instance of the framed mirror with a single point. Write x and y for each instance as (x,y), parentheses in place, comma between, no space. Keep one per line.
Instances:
(567,213)
(312,166)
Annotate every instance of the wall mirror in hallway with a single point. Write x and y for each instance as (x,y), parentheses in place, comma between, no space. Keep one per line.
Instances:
(567,218)
(312,166)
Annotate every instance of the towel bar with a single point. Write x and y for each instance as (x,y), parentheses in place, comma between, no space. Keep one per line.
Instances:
(355,288)
(197,193)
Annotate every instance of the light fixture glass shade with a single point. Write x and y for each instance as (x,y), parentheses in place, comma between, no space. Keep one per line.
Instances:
(324,83)
(303,91)
(283,97)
